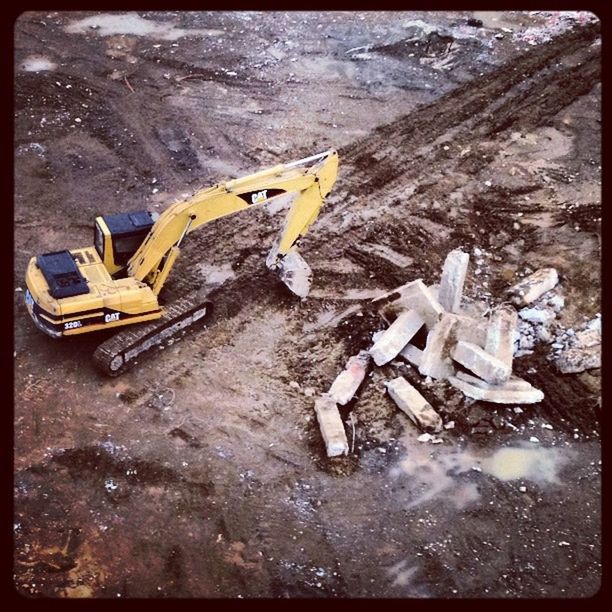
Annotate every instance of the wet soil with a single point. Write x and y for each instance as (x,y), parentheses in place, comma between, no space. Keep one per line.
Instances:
(202,473)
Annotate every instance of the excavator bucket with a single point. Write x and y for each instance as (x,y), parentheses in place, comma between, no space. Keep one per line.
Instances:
(293,270)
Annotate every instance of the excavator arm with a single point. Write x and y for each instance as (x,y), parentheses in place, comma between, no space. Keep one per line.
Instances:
(307,182)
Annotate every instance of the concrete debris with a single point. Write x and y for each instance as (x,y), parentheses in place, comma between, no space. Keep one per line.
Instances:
(347,382)
(484,365)
(469,328)
(436,361)
(514,391)
(579,351)
(412,354)
(331,426)
(534,286)
(453,278)
(557,302)
(576,359)
(499,340)
(473,352)
(415,295)
(410,401)
(536,315)
(587,338)
(595,323)
(395,338)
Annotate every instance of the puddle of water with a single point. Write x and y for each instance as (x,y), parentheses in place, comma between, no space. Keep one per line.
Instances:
(37,63)
(537,464)
(216,275)
(131,23)
(433,472)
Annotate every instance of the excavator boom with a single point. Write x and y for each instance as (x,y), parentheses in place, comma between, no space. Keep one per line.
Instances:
(309,180)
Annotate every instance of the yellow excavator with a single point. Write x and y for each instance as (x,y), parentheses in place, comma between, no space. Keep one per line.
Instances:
(117,281)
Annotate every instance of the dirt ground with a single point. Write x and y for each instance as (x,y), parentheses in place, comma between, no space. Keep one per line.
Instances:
(202,473)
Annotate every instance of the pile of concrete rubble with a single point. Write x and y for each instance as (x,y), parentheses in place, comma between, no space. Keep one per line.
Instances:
(473,352)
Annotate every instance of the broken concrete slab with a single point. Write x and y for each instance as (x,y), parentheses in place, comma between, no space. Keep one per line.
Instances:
(396,336)
(486,366)
(537,315)
(436,361)
(469,329)
(453,279)
(579,359)
(415,295)
(514,382)
(534,286)
(587,338)
(331,426)
(347,382)
(500,334)
(412,354)
(498,394)
(410,401)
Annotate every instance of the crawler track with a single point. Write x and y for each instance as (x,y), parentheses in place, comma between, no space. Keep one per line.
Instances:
(119,353)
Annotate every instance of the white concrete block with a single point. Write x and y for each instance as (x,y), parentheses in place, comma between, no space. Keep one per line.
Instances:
(415,295)
(452,280)
(537,315)
(410,401)
(331,426)
(396,336)
(436,361)
(579,359)
(513,383)
(499,394)
(347,382)
(532,287)
(412,354)
(484,365)
(469,329)
(500,334)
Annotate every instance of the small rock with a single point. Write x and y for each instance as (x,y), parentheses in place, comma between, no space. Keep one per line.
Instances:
(535,315)
(522,489)
(534,440)
(424,437)
(557,302)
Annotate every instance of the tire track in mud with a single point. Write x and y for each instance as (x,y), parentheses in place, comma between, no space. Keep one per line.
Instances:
(473,103)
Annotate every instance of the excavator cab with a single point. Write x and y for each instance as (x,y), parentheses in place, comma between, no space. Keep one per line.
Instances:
(117,237)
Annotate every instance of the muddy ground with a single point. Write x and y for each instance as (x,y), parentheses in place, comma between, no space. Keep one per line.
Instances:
(202,473)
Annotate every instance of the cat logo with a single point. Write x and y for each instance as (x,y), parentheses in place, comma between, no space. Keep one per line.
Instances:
(111,316)
(259,196)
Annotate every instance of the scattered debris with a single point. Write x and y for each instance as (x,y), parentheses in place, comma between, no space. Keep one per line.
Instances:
(395,337)
(436,361)
(410,401)
(484,365)
(533,286)
(331,426)
(500,334)
(515,391)
(453,279)
(579,351)
(347,382)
